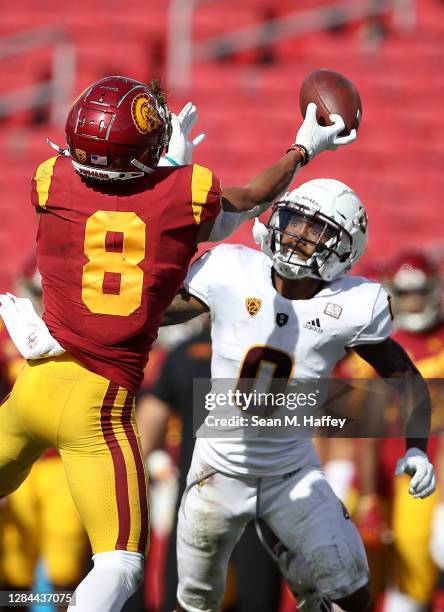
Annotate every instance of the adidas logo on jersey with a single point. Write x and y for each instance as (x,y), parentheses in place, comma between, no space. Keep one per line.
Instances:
(314,325)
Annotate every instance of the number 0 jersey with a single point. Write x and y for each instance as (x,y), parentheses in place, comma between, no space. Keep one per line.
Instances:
(254,327)
(113,255)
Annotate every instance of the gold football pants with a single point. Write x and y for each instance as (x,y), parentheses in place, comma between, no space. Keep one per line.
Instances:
(91,422)
(39,521)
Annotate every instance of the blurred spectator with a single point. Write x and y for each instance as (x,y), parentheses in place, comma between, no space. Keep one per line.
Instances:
(266,51)
(374,30)
(156,52)
(335,18)
(41,111)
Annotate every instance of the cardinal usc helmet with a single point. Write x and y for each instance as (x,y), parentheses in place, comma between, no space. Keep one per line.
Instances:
(318,230)
(413,281)
(118,128)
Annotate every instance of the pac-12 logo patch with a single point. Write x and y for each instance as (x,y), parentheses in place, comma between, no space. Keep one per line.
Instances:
(253,305)
(281,318)
(144,115)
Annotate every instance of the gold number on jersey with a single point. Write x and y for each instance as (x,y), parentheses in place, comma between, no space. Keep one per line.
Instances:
(102,262)
(265,369)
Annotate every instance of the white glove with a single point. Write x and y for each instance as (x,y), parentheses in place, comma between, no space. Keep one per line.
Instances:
(317,138)
(27,330)
(415,463)
(180,149)
(437,536)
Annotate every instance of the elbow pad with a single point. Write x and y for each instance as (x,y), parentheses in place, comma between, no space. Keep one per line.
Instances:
(227,223)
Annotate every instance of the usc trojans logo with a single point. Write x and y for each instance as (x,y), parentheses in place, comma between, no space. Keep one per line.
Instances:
(144,115)
(253,305)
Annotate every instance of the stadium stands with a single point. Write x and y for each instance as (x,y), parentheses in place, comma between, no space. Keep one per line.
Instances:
(250,110)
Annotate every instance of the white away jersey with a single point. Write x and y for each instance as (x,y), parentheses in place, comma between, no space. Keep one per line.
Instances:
(301,339)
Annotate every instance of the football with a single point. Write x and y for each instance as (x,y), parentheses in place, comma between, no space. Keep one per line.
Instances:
(332,93)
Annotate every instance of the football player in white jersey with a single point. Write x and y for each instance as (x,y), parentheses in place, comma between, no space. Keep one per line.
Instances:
(290,305)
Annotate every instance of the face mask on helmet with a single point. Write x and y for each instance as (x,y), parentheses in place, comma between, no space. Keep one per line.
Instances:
(117,129)
(302,241)
(319,230)
(414,283)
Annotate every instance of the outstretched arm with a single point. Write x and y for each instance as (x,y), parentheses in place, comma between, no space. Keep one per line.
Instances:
(239,204)
(391,361)
(242,203)
(183,308)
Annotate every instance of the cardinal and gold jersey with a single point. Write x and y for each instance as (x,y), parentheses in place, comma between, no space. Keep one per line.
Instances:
(113,255)
(426,350)
(258,332)
(411,571)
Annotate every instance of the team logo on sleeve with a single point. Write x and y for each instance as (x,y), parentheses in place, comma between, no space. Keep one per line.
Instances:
(144,115)
(333,310)
(281,318)
(253,305)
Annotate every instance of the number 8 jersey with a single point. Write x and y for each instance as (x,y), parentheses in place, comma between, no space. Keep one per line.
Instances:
(113,255)
(256,332)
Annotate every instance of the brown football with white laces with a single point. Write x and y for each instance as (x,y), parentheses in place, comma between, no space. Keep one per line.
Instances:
(332,93)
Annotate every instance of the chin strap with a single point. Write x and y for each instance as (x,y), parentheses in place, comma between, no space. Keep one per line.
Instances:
(104,175)
(142,167)
(56,147)
(99,174)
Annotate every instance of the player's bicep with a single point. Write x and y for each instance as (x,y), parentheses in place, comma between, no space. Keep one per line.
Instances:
(388,358)
(184,307)
(237,199)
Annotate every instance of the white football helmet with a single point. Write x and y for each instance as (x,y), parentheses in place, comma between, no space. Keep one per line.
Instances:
(318,230)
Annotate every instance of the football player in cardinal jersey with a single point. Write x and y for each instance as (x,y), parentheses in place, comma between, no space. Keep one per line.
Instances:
(291,311)
(116,235)
(414,283)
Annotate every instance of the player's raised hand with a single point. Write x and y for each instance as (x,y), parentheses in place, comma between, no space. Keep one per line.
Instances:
(317,138)
(180,149)
(27,330)
(416,464)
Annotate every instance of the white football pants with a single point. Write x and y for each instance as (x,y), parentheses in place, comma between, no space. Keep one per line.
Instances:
(300,508)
